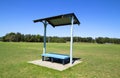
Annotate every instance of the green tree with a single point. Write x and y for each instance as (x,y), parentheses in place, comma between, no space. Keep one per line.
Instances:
(27,38)
(18,37)
(9,37)
(1,38)
(100,40)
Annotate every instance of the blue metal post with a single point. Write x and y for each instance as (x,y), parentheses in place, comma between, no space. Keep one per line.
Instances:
(44,48)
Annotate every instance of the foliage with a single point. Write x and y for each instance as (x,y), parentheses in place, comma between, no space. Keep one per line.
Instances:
(102,40)
(0,38)
(56,39)
(18,37)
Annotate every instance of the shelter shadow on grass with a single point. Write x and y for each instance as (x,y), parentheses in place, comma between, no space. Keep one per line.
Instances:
(75,59)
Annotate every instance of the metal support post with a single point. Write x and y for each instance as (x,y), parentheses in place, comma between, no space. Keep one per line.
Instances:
(71,40)
(45,26)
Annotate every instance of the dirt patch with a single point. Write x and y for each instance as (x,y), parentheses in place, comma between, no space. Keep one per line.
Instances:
(54,65)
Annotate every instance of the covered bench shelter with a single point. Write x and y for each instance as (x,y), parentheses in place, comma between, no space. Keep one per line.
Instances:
(55,21)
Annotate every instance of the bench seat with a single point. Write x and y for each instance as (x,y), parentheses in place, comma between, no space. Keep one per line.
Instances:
(53,56)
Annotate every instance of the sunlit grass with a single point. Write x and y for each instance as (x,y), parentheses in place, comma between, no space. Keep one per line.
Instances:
(99,60)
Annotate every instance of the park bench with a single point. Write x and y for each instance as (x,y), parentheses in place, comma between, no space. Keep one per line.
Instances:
(54,56)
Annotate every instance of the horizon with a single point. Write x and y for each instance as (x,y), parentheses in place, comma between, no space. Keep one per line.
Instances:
(99,18)
(59,36)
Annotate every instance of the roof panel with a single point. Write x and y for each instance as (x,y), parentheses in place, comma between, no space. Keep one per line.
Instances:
(60,20)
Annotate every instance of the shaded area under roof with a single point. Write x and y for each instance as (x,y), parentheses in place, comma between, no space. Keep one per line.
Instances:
(60,20)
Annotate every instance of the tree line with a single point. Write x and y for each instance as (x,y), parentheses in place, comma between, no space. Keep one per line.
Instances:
(18,37)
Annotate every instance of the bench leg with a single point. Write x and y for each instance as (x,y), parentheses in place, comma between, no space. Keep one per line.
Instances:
(43,58)
(52,60)
(63,62)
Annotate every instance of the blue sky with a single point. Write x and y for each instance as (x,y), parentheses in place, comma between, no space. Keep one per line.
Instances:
(97,17)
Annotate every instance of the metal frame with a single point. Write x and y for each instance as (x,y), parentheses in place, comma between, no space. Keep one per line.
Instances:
(74,20)
(45,27)
(71,40)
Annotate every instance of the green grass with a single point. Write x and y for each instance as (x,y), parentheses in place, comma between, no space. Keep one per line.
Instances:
(99,60)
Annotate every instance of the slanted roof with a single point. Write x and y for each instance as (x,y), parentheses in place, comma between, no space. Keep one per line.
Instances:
(60,20)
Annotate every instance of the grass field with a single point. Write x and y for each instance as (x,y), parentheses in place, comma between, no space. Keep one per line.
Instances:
(99,60)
